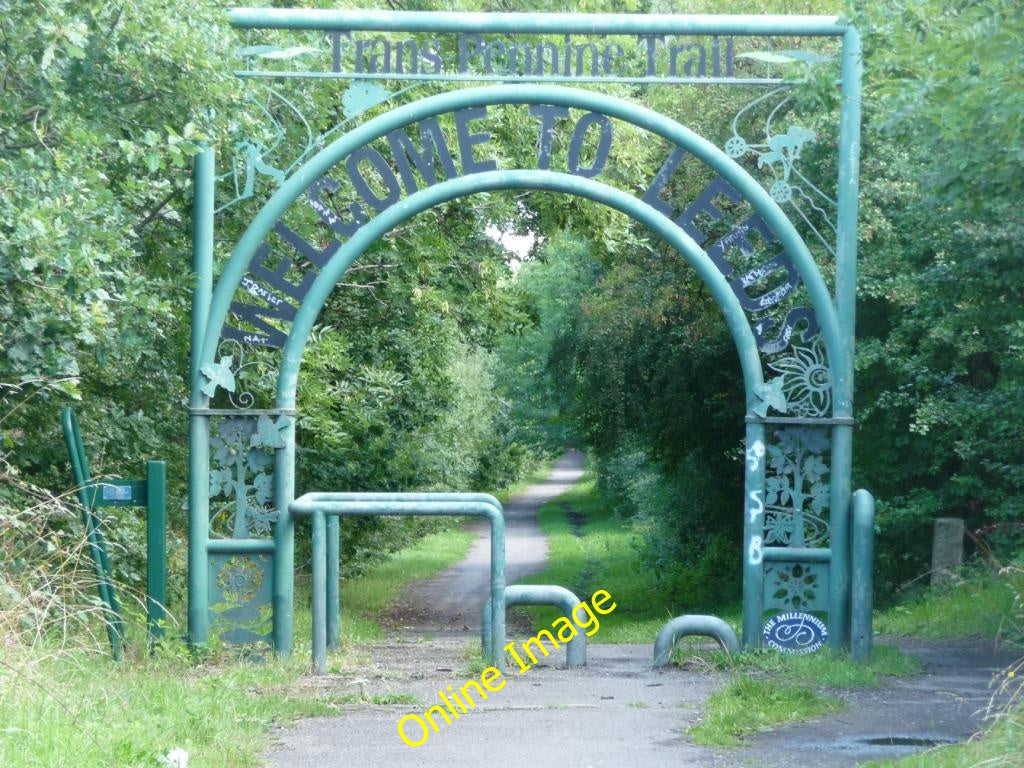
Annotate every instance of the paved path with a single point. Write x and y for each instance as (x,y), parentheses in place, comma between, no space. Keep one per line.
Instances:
(452,600)
(616,712)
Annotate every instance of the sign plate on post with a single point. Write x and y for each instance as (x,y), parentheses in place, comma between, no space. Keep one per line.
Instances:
(795,633)
(121,493)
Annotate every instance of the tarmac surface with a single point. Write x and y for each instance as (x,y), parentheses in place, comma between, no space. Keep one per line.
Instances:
(614,713)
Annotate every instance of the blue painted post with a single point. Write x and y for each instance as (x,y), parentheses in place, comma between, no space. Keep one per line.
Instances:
(283,599)
(846,297)
(156,547)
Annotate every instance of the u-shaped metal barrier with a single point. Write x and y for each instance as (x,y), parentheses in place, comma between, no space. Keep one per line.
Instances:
(321,506)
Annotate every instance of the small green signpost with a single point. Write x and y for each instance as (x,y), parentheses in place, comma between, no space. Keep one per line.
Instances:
(150,493)
(793,330)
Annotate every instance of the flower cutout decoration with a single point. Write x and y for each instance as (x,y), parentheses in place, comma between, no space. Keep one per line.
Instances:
(805,380)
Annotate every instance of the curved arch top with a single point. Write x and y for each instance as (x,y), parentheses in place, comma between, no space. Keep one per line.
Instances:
(620,109)
(302,326)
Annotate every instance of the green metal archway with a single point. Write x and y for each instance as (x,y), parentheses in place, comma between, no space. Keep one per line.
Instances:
(824,561)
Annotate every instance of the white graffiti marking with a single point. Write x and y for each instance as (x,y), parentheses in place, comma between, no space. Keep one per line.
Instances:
(754,455)
(755,555)
(757,508)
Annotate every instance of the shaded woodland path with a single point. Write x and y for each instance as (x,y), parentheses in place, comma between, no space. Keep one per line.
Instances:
(452,600)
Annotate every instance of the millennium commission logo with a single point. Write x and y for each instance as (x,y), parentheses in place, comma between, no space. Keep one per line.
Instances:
(795,633)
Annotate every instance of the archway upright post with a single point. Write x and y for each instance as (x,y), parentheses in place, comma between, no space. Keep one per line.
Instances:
(846,300)
(204,180)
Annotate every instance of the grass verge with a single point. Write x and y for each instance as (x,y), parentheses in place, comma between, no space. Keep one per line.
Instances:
(1001,746)
(980,604)
(80,709)
(747,705)
(88,712)
(825,670)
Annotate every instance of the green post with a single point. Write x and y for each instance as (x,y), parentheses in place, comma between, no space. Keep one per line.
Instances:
(333,582)
(319,592)
(156,547)
(846,296)
(203,170)
(283,596)
(753,535)
(862,599)
(88,494)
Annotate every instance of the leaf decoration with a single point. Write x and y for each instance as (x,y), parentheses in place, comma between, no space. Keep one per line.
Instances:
(222,482)
(807,56)
(263,484)
(218,375)
(771,396)
(259,460)
(768,57)
(268,433)
(255,50)
(289,53)
(362,96)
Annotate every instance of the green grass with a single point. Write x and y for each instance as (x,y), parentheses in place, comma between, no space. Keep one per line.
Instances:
(824,669)
(1001,746)
(87,712)
(771,688)
(473,660)
(80,710)
(380,699)
(604,558)
(746,705)
(978,606)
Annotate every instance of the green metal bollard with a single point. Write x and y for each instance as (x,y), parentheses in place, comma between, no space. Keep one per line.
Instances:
(694,624)
(319,505)
(862,581)
(537,594)
(319,592)
(333,582)
(156,548)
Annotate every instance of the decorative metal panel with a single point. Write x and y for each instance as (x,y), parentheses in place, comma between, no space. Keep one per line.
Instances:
(797,490)
(240,598)
(796,586)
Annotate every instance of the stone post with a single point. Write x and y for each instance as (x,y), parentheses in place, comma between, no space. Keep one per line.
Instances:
(947,548)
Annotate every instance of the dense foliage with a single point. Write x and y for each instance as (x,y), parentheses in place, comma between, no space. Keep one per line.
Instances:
(438,366)
(939,382)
